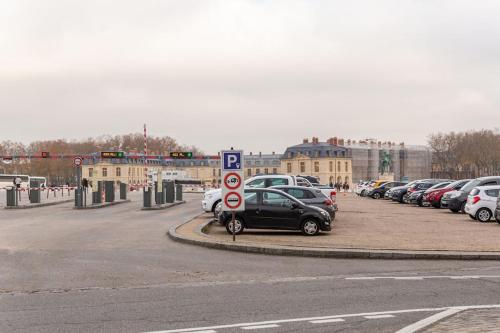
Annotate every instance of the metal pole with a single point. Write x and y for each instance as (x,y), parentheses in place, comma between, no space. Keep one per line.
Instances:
(233,218)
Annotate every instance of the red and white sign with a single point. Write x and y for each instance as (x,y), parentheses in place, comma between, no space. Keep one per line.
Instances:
(233,195)
(77,161)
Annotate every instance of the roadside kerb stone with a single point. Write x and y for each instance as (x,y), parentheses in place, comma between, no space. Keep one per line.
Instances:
(206,241)
(103,205)
(164,206)
(42,204)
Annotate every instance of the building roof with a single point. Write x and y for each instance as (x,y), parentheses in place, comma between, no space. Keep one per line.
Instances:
(319,149)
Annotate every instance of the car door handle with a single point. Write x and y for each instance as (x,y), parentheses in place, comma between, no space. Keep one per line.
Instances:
(257,211)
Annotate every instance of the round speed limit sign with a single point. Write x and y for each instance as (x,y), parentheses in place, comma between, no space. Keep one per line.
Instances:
(232,181)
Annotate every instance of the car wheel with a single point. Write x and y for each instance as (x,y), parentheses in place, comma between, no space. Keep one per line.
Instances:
(363,193)
(462,208)
(455,210)
(238,226)
(420,203)
(215,205)
(472,217)
(217,211)
(376,195)
(310,227)
(483,215)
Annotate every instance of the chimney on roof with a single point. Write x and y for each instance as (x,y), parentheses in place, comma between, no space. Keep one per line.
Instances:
(341,142)
(251,153)
(273,152)
(315,140)
(306,140)
(380,143)
(335,141)
(402,144)
(260,154)
(349,142)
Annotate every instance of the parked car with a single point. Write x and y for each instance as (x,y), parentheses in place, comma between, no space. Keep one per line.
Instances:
(212,197)
(398,193)
(421,185)
(274,209)
(417,197)
(456,200)
(310,196)
(361,188)
(379,192)
(497,210)
(433,197)
(482,202)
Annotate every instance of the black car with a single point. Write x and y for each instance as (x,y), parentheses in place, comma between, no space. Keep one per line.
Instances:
(380,191)
(310,196)
(398,192)
(274,209)
(456,200)
(420,185)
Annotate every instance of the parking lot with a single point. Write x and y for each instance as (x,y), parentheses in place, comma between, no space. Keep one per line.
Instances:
(366,223)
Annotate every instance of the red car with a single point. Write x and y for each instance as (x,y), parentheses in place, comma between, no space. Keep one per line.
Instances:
(433,197)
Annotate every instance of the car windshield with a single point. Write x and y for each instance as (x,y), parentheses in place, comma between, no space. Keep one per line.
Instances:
(440,185)
(470,185)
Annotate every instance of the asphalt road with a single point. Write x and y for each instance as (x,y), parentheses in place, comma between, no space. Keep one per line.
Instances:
(114,270)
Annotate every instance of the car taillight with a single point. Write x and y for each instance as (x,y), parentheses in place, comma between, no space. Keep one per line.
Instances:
(333,195)
(475,199)
(328,202)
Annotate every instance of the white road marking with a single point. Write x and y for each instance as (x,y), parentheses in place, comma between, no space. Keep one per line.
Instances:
(212,329)
(379,316)
(325,321)
(294,320)
(422,277)
(419,325)
(258,327)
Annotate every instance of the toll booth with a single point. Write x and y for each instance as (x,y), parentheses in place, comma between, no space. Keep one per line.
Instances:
(109,191)
(35,191)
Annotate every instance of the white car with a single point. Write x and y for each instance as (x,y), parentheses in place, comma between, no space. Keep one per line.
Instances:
(213,197)
(482,202)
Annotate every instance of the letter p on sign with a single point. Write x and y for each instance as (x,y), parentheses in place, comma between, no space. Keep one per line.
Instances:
(232,160)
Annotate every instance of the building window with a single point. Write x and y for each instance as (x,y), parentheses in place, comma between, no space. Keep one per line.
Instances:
(213,172)
(249,172)
(302,167)
(118,172)
(257,171)
(91,172)
(104,172)
(275,171)
(331,166)
(316,166)
(346,166)
(219,172)
(289,167)
(266,171)
(338,167)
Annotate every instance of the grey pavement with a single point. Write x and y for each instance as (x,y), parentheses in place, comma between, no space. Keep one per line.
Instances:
(114,270)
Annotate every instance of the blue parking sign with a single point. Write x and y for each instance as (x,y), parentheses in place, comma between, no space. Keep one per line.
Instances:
(232,160)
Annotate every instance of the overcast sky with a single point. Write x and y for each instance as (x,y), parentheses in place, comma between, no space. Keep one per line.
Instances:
(257,75)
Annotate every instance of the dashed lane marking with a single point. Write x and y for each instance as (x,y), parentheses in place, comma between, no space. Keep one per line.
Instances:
(326,321)
(379,316)
(258,327)
(295,320)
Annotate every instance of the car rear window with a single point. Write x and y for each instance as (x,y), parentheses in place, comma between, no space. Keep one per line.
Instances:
(492,193)
(278,181)
(474,192)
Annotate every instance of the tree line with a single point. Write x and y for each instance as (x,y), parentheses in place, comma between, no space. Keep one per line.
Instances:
(469,154)
(60,171)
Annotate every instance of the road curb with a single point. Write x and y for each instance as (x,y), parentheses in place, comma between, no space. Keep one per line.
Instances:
(321,252)
(164,206)
(103,205)
(43,204)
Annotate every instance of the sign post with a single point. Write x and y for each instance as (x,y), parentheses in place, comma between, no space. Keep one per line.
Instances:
(77,162)
(233,195)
